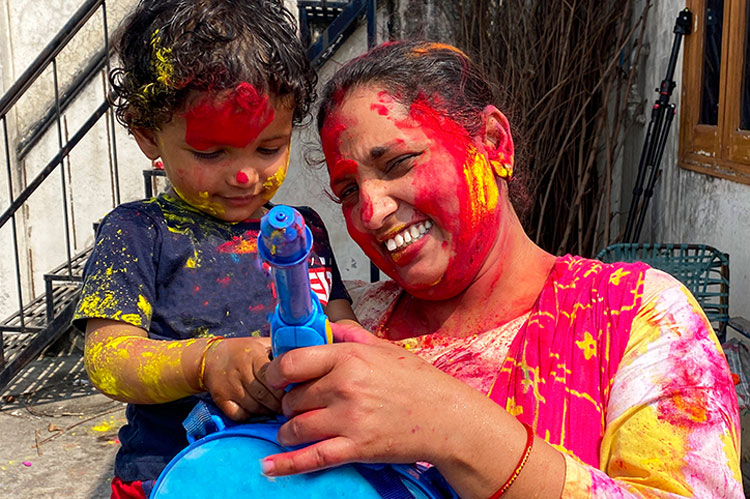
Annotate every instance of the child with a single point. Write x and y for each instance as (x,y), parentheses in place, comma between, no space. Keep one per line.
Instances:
(175,301)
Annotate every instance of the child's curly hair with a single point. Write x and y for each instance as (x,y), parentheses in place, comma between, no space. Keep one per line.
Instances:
(169,48)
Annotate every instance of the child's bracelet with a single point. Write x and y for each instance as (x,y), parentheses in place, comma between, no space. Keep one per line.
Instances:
(521,463)
(202,371)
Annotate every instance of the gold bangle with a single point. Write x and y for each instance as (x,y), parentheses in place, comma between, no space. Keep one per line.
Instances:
(520,465)
(202,371)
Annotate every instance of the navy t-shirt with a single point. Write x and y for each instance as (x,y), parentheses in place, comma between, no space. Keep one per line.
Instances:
(178,273)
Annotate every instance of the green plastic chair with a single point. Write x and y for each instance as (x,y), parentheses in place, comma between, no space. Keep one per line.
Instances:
(704,270)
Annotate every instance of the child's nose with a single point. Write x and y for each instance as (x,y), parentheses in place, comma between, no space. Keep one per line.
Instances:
(246,177)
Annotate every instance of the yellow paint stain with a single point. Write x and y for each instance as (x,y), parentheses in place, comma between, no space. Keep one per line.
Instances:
(103,426)
(144,306)
(194,261)
(203,203)
(730,444)
(161,62)
(618,274)
(656,454)
(483,192)
(272,183)
(245,246)
(512,408)
(588,345)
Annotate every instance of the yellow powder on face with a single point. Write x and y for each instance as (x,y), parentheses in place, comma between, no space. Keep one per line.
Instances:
(483,191)
(272,183)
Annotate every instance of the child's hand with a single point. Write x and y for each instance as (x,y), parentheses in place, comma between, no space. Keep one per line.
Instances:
(235,377)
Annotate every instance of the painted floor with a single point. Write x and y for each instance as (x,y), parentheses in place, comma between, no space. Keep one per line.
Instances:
(58,436)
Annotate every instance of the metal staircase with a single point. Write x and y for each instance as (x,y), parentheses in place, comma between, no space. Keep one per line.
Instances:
(41,320)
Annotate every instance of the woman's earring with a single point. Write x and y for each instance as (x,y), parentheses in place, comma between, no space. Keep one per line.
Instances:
(503,169)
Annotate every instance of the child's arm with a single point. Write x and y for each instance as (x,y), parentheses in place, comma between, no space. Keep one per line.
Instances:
(340,311)
(126,365)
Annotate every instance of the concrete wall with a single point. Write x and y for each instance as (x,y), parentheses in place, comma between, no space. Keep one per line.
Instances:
(25,29)
(687,207)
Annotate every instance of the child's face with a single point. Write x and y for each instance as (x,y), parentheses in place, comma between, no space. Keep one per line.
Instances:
(223,156)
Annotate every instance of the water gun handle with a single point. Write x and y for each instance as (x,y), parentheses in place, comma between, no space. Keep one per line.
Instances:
(285,243)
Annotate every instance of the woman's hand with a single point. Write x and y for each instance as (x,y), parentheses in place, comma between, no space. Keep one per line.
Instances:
(360,400)
(235,376)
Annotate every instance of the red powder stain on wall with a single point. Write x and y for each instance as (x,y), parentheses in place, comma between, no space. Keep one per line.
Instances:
(235,121)
(224,281)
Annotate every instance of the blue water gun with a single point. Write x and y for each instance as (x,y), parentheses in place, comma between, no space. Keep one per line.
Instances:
(285,242)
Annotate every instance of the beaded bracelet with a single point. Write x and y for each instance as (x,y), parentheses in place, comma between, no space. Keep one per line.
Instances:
(202,371)
(521,463)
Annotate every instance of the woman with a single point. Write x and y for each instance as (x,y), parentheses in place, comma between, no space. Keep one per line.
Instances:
(614,367)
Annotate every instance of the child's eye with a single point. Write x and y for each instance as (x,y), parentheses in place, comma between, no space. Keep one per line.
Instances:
(207,155)
(268,151)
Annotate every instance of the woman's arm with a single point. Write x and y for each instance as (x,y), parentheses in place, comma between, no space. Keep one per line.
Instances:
(409,411)
(672,425)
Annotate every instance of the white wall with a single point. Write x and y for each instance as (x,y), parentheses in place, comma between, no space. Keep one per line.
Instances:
(688,207)
(25,29)
(305,184)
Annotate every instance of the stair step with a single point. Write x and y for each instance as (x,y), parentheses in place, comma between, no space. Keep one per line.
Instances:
(321,13)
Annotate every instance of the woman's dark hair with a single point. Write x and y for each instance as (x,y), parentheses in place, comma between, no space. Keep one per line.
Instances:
(443,75)
(169,48)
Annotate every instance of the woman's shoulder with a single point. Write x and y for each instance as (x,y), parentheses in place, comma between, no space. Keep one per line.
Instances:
(373,302)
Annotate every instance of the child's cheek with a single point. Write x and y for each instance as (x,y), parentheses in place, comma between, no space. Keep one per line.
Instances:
(272,183)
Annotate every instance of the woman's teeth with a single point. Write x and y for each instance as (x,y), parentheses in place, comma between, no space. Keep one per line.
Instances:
(408,236)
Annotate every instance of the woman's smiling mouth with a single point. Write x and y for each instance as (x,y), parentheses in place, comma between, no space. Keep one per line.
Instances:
(407,236)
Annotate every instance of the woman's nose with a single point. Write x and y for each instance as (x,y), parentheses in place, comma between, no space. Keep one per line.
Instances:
(375,204)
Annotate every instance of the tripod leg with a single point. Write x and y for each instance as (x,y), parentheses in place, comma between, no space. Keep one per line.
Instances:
(649,192)
(643,164)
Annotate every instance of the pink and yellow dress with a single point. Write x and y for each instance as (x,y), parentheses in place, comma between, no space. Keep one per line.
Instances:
(617,367)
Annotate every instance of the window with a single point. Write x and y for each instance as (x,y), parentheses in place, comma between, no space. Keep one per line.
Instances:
(715,114)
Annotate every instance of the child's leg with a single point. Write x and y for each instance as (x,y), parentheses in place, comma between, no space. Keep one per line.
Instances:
(131,490)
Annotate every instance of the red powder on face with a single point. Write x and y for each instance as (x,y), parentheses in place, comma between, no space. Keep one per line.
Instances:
(242,178)
(235,121)
(331,137)
(384,104)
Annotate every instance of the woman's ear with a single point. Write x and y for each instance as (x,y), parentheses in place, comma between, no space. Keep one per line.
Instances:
(146,139)
(498,141)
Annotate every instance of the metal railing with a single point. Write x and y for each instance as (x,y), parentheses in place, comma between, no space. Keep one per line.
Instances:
(41,319)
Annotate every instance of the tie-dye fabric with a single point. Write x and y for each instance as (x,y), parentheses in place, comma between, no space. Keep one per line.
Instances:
(615,366)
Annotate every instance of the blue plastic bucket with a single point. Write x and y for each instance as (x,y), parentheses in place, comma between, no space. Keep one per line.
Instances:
(227,464)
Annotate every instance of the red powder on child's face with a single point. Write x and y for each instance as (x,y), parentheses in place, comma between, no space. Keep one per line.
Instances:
(242,178)
(234,121)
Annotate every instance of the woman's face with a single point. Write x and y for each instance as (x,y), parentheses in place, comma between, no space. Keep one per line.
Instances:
(417,192)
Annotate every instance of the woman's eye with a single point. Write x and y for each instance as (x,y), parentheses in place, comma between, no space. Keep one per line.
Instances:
(346,193)
(207,155)
(405,160)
